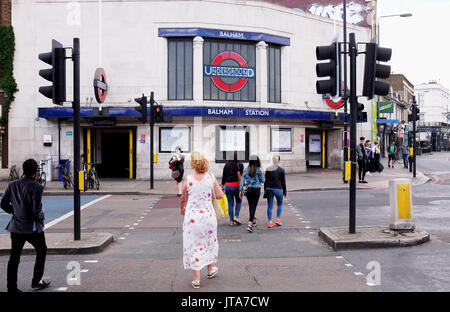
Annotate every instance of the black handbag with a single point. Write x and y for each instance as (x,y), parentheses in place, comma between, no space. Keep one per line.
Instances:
(267,193)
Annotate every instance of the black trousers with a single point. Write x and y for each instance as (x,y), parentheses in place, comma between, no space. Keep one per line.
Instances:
(37,240)
(361,169)
(253,198)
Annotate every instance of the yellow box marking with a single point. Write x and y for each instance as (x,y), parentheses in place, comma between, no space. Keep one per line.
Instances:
(81,180)
(404,201)
(348,170)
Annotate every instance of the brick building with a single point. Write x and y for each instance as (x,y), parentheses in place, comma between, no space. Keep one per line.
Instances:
(394,109)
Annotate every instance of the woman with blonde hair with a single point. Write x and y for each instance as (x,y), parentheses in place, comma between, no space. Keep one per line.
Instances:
(200,245)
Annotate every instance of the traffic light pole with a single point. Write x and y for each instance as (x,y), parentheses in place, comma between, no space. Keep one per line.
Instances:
(345,86)
(353,112)
(76,137)
(152,125)
(414,135)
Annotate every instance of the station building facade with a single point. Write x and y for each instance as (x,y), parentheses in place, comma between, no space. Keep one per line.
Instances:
(234,75)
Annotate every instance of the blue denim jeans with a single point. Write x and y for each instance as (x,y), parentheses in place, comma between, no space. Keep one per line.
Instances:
(232,193)
(405,160)
(278,193)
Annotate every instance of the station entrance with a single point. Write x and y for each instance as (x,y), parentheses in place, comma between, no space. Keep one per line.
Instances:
(111,150)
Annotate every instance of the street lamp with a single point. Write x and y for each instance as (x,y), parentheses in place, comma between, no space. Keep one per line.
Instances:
(382,143)
(390,15)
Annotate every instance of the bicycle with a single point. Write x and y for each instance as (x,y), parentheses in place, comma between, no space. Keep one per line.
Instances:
(13,174)
(67,176)
(41,176)
(91,176)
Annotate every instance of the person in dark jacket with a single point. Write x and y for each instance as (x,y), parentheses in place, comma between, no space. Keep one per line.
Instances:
(275,186)
(23,199)
(232,171)
(176,163)
(362,156)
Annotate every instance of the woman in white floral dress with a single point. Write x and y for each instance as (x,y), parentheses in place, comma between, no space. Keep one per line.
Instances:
(200,245)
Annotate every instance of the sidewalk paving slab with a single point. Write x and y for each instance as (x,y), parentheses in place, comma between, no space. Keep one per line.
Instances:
(63,244)
(312,180)
(339,238)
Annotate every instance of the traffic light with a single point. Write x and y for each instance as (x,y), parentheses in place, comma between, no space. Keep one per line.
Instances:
(57,74)
(158,113)
(372,70)
(142,108)
(414,115)
(417,113)
(360,115)
(328,69)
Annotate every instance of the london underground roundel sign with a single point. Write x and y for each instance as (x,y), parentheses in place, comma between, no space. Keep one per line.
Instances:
(229,71)
(100,86)
(333,104)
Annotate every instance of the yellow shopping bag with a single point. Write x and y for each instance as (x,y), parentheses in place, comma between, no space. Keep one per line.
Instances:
(223,202)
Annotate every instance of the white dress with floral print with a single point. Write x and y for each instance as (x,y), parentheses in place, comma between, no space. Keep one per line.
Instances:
(200,246)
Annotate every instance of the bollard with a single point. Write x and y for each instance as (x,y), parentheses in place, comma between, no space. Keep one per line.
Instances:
(401,203)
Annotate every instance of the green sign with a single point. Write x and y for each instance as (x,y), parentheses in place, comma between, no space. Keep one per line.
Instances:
(386,107)
(374,129)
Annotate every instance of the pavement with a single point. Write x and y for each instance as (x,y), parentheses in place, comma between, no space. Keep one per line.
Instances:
(339,238)
(313,180)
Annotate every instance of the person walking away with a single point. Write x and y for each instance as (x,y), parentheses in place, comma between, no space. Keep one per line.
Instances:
(232,172)
(252,178)
(200,245)
(376,157)
(369,159)
(392,149)
(361,155)
(275,186)
(23,199)
(176,163)
(405,154)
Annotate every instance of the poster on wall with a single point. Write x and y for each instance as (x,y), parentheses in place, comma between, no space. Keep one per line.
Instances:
(281,140)
(314,143)
(232,140)
(170,138)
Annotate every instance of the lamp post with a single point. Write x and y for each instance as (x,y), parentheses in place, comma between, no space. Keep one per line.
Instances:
(390,15)
(377,28)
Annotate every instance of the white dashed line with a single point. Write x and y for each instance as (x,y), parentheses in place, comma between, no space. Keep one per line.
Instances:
(61,289)
(358,273)
(339,257)
(84,271)
(348,264)
(90,261)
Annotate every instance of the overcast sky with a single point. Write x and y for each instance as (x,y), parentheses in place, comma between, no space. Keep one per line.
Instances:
(421,43)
